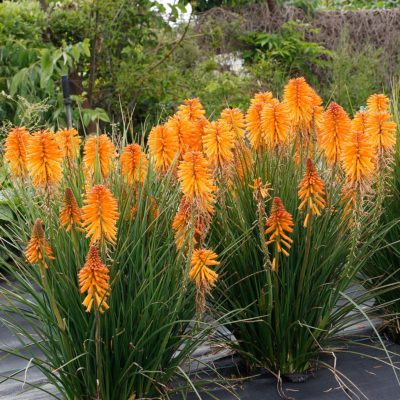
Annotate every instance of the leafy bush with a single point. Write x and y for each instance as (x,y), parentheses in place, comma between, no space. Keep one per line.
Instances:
(289,49)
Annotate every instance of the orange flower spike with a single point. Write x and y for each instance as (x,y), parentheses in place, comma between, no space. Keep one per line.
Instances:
(382,131)
(196,180)
(200,272)
(181,222)
(235,121)
(44,159)
(134,164)
(100,215)
(94,278)
(163,147)
(253,118)
(192,109)
(70,214)
(300,99)
(38,249)
(183,129)
(98,149)
(359,122)
(311,192)
(334,128)
(15,153)
(275,123)
(218,142)
(69,142)
(378,103)
(358,158)
(279,225)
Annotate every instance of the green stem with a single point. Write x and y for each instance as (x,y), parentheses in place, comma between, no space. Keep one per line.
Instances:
(53,303)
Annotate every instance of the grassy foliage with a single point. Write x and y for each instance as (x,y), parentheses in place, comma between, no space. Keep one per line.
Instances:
(294,310)
(137,346)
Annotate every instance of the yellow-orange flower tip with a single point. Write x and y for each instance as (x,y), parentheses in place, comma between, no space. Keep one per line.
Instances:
(69,142)
(218,143)
(253,118)
(275,123)
(98,151)
(38,249)
(16,146)
(279,225)
(134,164)
(94,278)
(44,159)
(182,128)
(200,272)
(70,214)
(378,103)
(195,177)
(358,158)
(235,120)
(192,109)
(311,192)
(100,214)
(334,128)
(382,131)
(261,191)
(163,147)
(300,99)
(359,122)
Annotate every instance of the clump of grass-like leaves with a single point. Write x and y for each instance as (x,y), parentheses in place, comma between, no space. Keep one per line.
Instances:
(135,347)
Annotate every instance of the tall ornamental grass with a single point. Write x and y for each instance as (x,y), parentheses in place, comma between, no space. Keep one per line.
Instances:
(384,267)
(299,224)
(104,294)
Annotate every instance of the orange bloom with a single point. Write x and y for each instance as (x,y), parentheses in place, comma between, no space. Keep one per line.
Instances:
(235,121)
(98,152)
(203,276)
(198,133)
(70,214)
(253,118)
(69,142)
(359,122)
(196,180)
(183,129)
(279,225)
(181,224)
(378,103)
(16,146)
(100,214)
(163,147)
(218,142)
(300,99)
(94,278)
(275,123)
(38,249)
(358,158)
(192,109)
(200,273)
(334,128)
(382,131)
(44,159)
(261,191)
(311,192)
(134,164)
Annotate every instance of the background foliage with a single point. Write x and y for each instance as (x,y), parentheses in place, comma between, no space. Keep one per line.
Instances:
(142,57)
